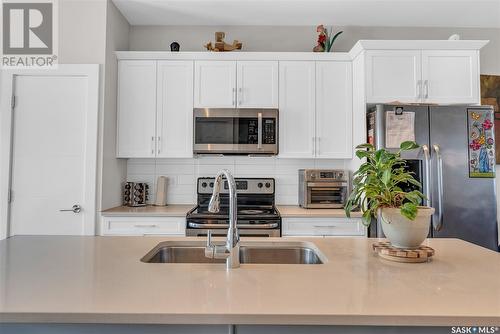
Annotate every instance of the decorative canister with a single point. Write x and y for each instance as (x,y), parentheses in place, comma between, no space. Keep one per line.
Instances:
(135,193)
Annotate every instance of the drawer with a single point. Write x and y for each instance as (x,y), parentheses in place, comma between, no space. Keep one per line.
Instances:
(323,227)
(174,226)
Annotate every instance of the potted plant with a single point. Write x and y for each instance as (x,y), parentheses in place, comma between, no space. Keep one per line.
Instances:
(377,192)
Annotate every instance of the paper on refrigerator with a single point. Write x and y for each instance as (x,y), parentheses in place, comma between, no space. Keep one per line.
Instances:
(399,128)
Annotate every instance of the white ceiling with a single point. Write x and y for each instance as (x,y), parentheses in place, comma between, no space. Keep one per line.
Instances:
(414,13)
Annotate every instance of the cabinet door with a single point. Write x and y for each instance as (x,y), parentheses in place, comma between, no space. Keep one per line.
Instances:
(175,109)
(169,226)
(297,109)
(322,227)
(215,84)
(257,84)
(450,77)
(393,76)
(334,110)
(136,135)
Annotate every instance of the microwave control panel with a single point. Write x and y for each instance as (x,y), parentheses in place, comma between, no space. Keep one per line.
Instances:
(269,129)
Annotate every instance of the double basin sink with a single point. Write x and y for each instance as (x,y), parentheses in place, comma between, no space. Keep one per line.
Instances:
(252,252)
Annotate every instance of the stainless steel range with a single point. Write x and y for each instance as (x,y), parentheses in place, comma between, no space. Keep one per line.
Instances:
(257,214)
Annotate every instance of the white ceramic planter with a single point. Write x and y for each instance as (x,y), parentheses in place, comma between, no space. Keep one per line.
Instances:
(405,233)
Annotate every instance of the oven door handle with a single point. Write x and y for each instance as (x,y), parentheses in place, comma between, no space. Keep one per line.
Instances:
(218,226)
(326,184)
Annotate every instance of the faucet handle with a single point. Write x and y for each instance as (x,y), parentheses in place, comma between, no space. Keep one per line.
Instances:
(209,238)
(209,248)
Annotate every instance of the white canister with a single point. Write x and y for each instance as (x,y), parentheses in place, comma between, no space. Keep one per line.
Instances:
(161,191)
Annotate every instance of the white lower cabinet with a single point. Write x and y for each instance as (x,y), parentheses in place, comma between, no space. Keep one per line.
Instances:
(322,227)
(137,226)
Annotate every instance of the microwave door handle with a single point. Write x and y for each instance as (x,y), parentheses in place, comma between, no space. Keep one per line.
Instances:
(259,130)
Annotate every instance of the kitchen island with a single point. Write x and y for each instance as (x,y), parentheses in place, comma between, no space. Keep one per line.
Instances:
(101,280)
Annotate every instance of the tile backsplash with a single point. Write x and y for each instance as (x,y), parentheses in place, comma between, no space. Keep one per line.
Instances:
(183,173)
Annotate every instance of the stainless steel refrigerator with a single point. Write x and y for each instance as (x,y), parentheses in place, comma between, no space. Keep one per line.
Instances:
(455,164)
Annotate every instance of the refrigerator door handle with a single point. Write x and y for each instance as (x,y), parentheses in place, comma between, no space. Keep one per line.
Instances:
(438,225)
(427,161)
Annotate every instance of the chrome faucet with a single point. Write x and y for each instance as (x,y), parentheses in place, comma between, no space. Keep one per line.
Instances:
(231,250)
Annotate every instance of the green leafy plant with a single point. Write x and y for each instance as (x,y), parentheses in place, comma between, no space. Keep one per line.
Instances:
(377,183)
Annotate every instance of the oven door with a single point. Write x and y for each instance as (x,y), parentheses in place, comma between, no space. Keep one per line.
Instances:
(326,194)
(235,131)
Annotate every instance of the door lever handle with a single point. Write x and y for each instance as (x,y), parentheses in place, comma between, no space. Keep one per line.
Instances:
(75,209)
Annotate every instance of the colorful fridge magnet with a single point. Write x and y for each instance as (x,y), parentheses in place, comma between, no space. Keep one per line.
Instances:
(481,143)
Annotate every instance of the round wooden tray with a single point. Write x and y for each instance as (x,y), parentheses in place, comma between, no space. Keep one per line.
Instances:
(386,251)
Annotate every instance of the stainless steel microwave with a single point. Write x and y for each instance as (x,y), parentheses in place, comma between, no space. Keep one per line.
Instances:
(235,131)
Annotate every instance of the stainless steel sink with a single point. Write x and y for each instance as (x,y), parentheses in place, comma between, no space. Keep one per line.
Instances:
(250,252)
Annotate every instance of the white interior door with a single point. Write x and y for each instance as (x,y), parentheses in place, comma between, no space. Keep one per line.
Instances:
(53,157)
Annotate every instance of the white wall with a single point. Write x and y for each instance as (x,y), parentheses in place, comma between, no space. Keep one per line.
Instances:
(272,38)
(113,170)
(82,24)
(182,173)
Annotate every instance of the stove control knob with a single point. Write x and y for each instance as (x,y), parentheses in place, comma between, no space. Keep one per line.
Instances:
(259,184)
(211,184)
(268,185)
(204,185)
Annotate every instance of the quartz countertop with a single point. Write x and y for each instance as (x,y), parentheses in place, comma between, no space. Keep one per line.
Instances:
(172,210)
(102,280)
(295,211)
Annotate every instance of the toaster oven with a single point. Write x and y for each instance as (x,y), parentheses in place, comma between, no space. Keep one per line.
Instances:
(323,188)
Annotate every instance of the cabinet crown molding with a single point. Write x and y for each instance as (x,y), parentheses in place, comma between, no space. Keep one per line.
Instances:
(313,56)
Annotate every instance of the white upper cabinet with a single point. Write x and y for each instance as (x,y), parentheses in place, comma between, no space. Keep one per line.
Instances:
(257,84)
(155,109)
(450,76)
(136,136)
(175,109)
(231,84)
(393,75)
(215,84)
(422,76)
(334,110)
(297,109)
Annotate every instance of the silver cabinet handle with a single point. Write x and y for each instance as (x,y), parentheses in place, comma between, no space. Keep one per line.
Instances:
(427,166)
(314,146)
(159,144)
(234,97)
(75,209)
(426,86)
(146,226)
(318,147)
(240,96)
(439,224)
(324,226)
(419,89)
(152,145)
(259,130)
